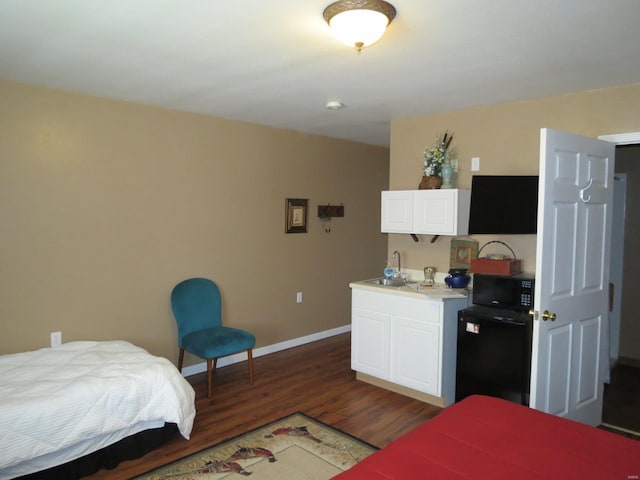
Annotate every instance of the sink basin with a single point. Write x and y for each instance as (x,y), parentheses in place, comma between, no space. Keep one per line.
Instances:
(390,282)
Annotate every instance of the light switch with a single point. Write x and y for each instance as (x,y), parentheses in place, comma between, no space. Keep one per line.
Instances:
(475,164)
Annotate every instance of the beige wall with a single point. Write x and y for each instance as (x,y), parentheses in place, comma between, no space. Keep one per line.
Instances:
(105,206)
(506,138)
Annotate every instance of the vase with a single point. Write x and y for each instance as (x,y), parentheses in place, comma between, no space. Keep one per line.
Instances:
(430,183)
(447,175)
(457,278)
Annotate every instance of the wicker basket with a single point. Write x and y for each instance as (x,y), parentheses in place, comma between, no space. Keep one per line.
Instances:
(430,183)
(496,266)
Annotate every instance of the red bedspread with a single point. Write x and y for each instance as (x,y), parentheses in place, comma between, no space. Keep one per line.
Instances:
(489,438)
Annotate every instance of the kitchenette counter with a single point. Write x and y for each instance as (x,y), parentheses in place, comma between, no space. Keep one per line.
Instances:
(413,289)
(403,338)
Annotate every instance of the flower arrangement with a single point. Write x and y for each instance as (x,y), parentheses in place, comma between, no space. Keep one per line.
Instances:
(434,157)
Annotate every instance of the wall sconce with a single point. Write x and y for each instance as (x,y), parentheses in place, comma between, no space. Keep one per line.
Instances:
(359,23)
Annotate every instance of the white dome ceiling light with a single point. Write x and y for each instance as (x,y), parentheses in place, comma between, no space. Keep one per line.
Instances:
(359,23)
(334,105)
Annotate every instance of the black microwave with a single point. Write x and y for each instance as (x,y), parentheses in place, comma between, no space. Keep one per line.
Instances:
(513,292)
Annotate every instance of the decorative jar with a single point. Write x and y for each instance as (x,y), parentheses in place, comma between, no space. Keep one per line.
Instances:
(457,278)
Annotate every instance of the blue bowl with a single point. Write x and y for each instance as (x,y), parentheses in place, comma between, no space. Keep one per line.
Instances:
(459,281)
(457,271)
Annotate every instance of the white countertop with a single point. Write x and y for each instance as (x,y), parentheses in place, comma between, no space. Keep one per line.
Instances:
(414,289)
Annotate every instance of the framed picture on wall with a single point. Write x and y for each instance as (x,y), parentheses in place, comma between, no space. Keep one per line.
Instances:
(296,215)
(462,252)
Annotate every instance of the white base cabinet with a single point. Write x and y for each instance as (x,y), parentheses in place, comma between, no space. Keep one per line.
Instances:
(409,341)
(414,355)
(370,347)
(432,212)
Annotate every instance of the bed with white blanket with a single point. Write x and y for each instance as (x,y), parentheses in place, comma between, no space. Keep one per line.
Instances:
(60,404)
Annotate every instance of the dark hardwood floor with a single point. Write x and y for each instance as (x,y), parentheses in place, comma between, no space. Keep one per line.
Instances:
(315,379)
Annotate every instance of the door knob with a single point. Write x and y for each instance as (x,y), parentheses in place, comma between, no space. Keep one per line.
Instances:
(546,315)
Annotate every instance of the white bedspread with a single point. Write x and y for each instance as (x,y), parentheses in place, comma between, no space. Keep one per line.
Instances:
(60,404)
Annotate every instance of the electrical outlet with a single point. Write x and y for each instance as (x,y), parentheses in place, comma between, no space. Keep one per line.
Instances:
(299,297)
(56,339)
(475,164)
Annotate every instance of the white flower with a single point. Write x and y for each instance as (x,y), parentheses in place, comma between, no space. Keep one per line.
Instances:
(434,157)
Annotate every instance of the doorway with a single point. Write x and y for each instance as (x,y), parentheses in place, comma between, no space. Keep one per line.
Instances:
(628,261)
(622,394)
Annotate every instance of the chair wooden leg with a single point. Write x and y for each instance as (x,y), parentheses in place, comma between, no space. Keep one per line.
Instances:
(180,359)
(209,377)
(250,362)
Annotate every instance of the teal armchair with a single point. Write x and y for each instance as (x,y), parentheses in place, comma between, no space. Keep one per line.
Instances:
(197,308)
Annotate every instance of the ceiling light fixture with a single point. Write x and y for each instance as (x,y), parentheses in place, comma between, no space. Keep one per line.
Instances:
(334,105)
(359,23)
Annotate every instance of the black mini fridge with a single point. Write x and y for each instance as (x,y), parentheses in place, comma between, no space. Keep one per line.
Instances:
(494,353)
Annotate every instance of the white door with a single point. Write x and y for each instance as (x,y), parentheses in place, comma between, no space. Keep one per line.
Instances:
(572,275)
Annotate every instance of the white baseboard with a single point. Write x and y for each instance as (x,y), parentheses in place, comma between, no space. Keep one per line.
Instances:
(266,350)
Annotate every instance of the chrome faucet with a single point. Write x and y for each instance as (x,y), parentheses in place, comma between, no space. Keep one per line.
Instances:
(396,254)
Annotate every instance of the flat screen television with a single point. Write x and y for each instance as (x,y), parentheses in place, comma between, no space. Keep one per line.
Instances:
(504,204)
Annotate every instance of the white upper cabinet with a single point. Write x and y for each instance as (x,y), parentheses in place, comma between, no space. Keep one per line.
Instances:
(441,212)
(397,211)
(432,212)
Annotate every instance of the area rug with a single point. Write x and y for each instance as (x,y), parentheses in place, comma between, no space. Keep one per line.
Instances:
(294,447)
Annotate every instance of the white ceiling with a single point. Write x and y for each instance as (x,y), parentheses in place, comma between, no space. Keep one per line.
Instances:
(275,62)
